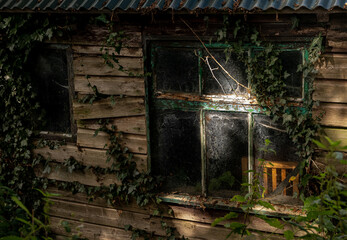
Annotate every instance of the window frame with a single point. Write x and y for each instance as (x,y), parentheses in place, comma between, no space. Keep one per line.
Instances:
(249,107)
(72,136)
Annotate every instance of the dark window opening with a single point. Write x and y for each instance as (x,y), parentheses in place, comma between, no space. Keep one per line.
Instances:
(290,61)
(50,74)
(176,149)
(233,66)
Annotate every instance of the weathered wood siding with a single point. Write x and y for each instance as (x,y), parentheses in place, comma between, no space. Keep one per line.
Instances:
(127,112)
(124,107)
(331,82)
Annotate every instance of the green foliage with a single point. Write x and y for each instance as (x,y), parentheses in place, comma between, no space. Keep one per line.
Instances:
(265,73)
(324,217)
(23,224)
(20,116)
(226,178)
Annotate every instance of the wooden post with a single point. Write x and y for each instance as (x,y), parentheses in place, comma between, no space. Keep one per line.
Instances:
(265,180)
(274,179)
(283,176)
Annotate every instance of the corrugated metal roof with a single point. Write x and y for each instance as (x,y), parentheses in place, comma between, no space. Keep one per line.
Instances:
(139,5)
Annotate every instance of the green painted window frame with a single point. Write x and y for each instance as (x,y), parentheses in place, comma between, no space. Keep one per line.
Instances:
(202,107)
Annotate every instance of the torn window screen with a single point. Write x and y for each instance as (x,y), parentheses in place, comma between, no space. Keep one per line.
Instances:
(49,70)
(176,151)
(226,146)
(264,129)
(176,70)
(223,84)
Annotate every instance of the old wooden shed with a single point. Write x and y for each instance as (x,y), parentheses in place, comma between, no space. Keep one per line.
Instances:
(175,118)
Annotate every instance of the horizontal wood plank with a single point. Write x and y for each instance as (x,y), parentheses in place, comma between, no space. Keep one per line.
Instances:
(321,161)
(118,218)
(337,46)
(134,125)
(86,156)
(332,66)
(96,35)
(87,65)
(335,114)
(99,215)
(105,108)
(94,50)
(280,164)
(86,230)
(329,90)
(128,86)
(197,214)
(87,177)
(337,134)
(135,143)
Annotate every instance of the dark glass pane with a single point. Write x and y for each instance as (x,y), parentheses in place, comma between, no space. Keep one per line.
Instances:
(176,70)
(50,75)
(290,62)
(235,67)
(175,149)
(227,145)
(264,128)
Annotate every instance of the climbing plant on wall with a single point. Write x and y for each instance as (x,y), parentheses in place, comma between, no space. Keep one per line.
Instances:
(20,111)
(22,116)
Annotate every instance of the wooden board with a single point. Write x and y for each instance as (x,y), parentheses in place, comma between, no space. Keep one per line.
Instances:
(197,214)
(332,66)
(337,135)
(117,218)
(87,230)
(99,215)
(337,46)
(87,177)
(329,90)
(335,114)
(321,162)
(135,125)
(94,50)
(122,107)
(128,86)
(96,35)
(135,143)
(86,156)
(88,65)
(280,164)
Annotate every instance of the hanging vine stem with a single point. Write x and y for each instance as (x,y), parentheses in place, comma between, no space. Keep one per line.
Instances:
(211,70)
(209,53)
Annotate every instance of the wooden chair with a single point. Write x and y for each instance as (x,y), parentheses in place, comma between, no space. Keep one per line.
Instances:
(273,166)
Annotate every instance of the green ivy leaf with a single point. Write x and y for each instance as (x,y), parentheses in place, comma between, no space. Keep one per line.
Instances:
(274,222)
(266,204)
(288,234)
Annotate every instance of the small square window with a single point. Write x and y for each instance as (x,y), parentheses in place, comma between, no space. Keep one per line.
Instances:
(176,70)
(222,84)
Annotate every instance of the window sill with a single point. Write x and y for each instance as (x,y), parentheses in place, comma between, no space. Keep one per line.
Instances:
(284,205)
(68,137)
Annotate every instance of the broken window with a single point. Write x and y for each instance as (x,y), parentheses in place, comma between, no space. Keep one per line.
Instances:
(50,73)
(203,132)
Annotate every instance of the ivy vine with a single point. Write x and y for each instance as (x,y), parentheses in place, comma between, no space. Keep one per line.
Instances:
(22,116)
(267,77)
